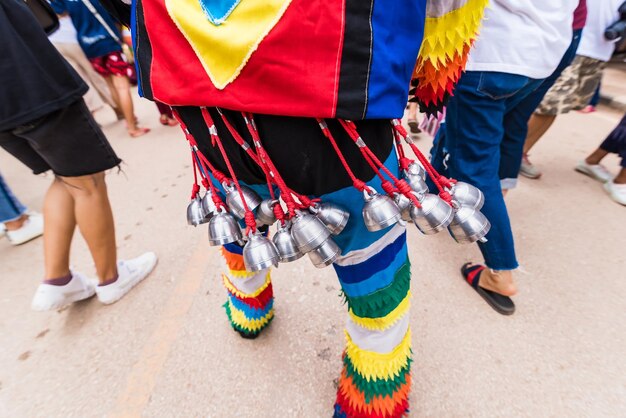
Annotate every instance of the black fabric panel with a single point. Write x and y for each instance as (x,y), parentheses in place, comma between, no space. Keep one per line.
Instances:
(297,146)
(143,52)
(355,59)
(119,10)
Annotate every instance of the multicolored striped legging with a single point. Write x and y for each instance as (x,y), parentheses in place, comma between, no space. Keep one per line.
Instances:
(374,273)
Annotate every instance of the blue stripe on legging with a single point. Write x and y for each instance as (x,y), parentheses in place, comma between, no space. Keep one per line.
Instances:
(251,313)
(377,281)
(377,262)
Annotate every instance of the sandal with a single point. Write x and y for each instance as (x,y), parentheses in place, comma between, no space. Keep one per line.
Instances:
(500,303)
(138,132)
(413,127)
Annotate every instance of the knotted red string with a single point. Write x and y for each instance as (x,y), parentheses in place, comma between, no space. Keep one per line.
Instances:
(357,183)
(249,216)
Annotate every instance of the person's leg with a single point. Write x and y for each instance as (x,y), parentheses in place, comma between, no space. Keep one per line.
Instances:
(538,125)
(12,211)
(412,119)
(121,84)
(94,218)
(250,298)
(469,150)
(58,211)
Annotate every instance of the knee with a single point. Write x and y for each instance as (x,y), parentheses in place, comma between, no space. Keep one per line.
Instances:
(84,186)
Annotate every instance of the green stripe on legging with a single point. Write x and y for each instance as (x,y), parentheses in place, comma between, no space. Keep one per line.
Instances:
(385,300)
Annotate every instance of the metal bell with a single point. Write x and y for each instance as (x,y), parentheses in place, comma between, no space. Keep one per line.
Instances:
(259,253)
(404,203)
(469,225)
(223,229)
(195,214)
(415,175)
(208,206)
(379,211)
(265,212)
(415,169)
(308,232)
(325,254)
(286,245)
(434,215)
(467,195)
(234,202)
(333,216)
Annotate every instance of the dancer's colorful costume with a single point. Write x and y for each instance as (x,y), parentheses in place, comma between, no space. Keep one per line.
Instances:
(289,62)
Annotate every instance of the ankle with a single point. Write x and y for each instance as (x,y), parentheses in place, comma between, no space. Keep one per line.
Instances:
(16,224)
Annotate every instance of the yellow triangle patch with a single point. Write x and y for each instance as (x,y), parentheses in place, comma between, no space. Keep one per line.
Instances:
(224,50)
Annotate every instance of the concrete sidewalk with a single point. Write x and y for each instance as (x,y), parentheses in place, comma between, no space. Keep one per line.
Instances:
(166,350)
(613,90)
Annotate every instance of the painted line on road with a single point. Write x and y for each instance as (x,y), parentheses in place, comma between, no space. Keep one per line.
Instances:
(143,376)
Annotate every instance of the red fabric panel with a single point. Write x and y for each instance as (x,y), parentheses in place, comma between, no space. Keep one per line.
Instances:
(268,83)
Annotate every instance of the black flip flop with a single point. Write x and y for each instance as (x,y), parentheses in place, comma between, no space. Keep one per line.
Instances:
(502,304)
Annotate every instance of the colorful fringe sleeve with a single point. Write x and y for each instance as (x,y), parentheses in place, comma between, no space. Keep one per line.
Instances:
(450,29)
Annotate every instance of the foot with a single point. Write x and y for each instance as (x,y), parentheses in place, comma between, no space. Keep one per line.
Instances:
(588,109)
(130,272)
(595,171)
(167,121)
(30,229)
(616,191)
(48,297)
(498,281)
(137,132)
(527,169)
(413,127)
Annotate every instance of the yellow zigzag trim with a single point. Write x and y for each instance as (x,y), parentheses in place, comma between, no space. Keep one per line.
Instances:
(240,274)
(232,289)
(381,324)
(239,318)
(372,365)
(446,35)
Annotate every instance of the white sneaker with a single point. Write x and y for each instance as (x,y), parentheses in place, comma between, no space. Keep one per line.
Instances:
(595,171)
(616,191)
(129,272)
(32,228)
(49,297)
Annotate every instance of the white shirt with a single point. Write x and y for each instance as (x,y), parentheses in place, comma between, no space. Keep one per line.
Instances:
(600,14)
(66,34)
(525,37)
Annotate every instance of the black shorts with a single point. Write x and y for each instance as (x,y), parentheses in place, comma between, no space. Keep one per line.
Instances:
(68,141)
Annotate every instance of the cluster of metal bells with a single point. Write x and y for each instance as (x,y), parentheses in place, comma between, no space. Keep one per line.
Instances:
(464,221)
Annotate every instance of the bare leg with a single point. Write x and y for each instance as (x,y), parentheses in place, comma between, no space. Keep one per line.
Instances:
(538,125)
(122,86)
(595,157)
(116,98)
(412,111)
(95,220)
(59,225)
(621,177)
(498,281)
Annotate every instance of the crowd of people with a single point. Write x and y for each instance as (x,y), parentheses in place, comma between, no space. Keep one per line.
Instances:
(500,93)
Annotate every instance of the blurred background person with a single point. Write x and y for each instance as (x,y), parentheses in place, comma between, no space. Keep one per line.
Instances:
(101,42)
(614,143)
(577,84)
(16,222)
(65,41)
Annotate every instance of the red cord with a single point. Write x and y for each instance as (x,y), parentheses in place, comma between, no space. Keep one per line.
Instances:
(249,216)
(358,184)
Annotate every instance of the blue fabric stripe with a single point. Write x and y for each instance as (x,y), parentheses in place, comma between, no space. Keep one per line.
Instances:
(251,313)
(397,29)
(377,281)
(377,262)
(234,248)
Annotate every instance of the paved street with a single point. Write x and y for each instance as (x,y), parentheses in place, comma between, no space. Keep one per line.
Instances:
(167,350)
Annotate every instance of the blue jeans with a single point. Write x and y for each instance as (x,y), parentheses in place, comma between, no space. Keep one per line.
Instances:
(10,207)
(481,143)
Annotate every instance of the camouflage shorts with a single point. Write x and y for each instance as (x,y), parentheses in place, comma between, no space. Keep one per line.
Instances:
(574,88)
